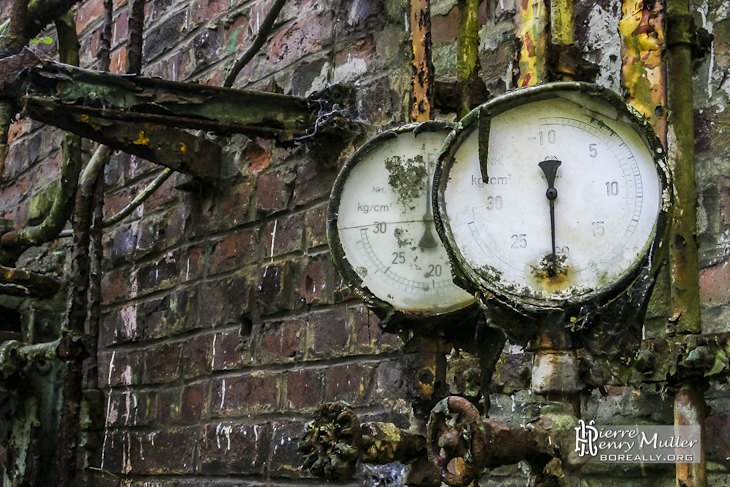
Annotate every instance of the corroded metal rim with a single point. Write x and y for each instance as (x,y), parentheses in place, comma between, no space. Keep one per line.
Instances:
(384,310)
(469,279)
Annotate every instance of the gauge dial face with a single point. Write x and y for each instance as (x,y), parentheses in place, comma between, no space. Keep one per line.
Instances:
(568,207)
(385,227)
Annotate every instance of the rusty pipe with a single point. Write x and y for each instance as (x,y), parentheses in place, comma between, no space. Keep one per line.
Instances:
(423,71)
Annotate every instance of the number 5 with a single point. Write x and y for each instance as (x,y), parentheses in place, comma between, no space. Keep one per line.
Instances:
(592,149)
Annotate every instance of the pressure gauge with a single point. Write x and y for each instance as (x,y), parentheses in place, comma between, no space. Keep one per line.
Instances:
(381,226)
(553,195)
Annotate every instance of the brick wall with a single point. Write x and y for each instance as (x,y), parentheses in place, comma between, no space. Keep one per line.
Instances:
(224,320)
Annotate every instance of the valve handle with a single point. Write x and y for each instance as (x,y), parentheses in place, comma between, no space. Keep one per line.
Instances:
(457,441)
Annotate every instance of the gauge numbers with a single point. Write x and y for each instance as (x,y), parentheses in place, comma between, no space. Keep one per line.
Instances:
(569,204)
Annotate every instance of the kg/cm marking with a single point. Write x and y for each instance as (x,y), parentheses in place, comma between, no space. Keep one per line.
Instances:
(365,208)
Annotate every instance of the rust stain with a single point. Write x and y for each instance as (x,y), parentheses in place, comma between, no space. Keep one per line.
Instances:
(423,71)
(533,52)
(643,72)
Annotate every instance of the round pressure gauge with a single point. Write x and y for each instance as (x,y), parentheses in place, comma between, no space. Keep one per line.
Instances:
(381,226)
(552,195)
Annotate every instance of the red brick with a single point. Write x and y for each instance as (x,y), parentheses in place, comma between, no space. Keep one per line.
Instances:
(230,448)
(274,291)
(126,368)
(193,402)
(163,363)
(444,27)
(315,285)
(258,155)
(226,352)
(236,204)
(164,452)
(304,388)
(163,195)
(271,191)
(116,202)
(287,234)
(89,11)
(286,461)
(304,37)
(345,382)
(331,332)
(234,251)
(203,10)
(248,394)
(715,284)
(195,360)
(237,34)
(119,61)
(281,339)
(367,329)
(211,305)
(315,224)
(313,181)
(120,29)
(167,405)
(113,285)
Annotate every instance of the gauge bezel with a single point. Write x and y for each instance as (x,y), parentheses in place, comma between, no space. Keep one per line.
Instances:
(382,308)
(481,283)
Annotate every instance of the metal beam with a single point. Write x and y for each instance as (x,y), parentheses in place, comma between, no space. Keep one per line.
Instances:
(139,115)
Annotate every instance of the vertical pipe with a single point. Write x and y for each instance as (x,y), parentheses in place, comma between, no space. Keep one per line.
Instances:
(68,46)
(533,31)
(420,22)
(136,28)
(467,57)
(689,406)
(683,253)
(643,72)
(562,37)
(11,43)
(690,410)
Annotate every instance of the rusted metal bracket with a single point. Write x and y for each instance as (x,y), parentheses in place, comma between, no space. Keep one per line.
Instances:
(19,282)
(142,116)
(335,441)
(460,443)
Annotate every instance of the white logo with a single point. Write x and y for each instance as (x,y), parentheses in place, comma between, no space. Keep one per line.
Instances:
(585,438)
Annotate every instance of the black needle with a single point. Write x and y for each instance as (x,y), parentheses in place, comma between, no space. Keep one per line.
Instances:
(550,169)
(427,240)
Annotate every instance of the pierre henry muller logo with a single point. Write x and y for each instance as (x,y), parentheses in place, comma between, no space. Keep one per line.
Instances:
(638,443)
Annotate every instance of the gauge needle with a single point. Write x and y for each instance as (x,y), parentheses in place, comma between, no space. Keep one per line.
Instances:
(427,240)
(550,169)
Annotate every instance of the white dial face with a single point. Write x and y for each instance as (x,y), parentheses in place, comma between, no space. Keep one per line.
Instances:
(596,172)
(386,227)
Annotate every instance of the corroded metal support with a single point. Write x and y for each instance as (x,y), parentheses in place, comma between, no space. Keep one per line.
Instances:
(335,441)
(532,32)
(467,57)
(423,71)
(461,443)
(683,252)
(19,282)
(14,355)
(643,70)
(93,104)
(690,410)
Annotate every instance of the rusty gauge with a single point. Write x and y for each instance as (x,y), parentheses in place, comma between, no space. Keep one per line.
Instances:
(381,227)
(552,195)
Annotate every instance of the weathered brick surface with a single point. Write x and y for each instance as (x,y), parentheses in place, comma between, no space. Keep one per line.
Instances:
(225,323)
(247,394)
(231,448)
